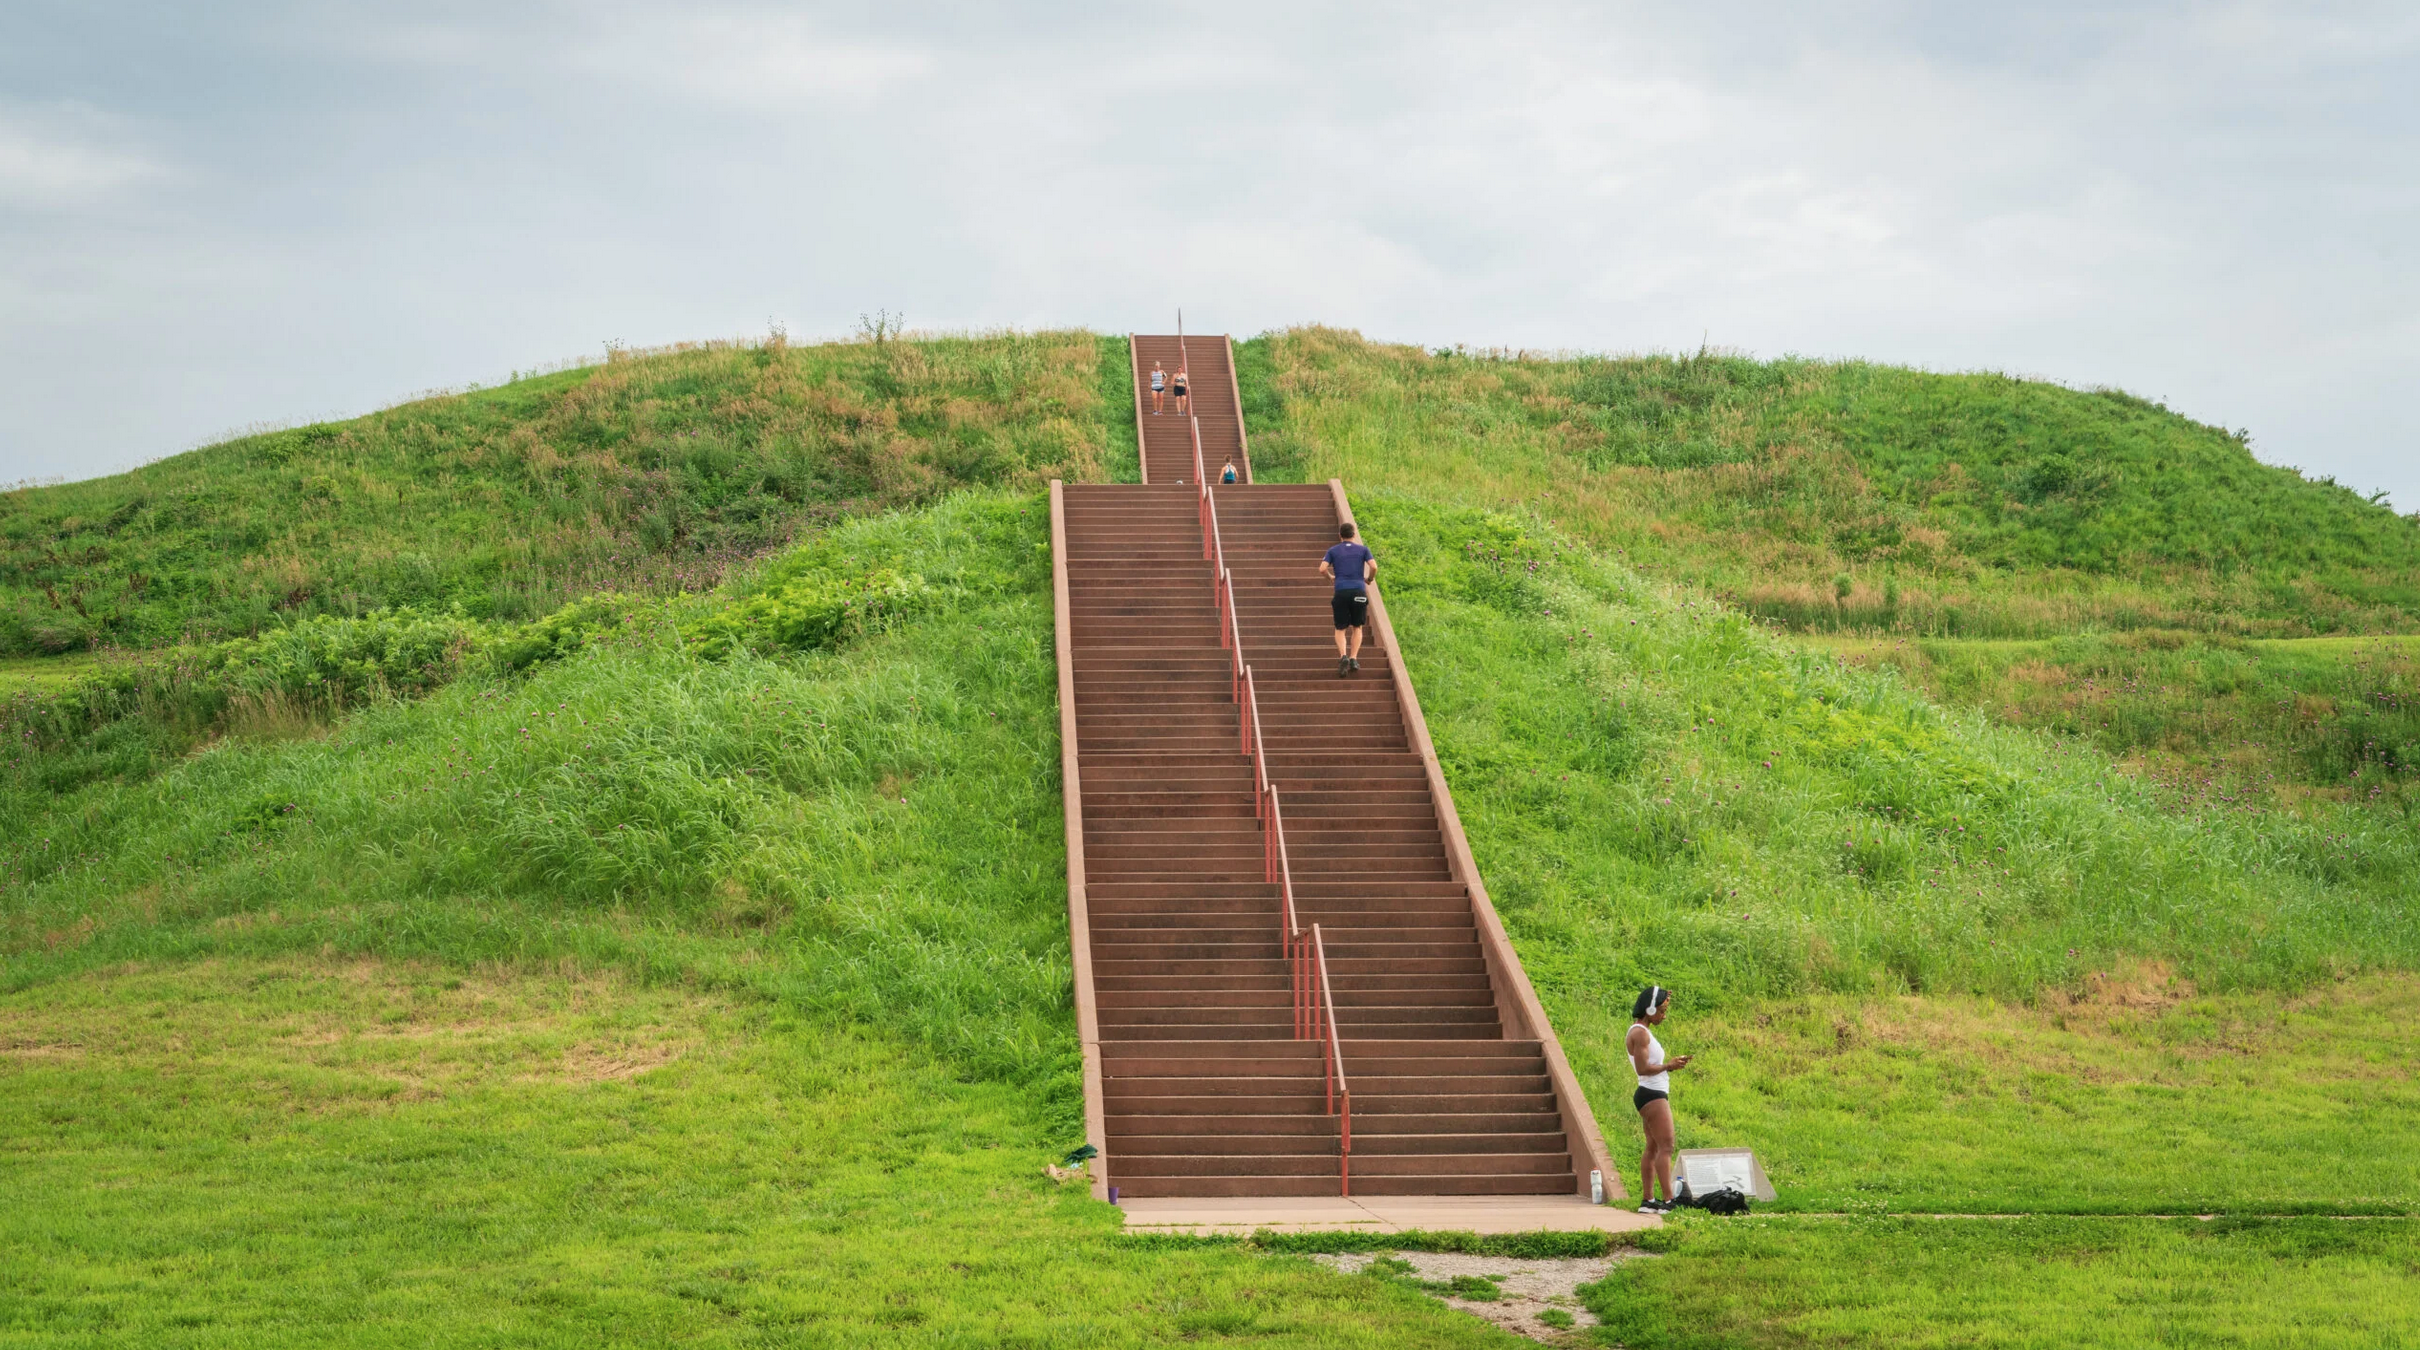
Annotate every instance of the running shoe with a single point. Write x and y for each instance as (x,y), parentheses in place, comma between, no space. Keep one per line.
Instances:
(1354,662)
(1344,666)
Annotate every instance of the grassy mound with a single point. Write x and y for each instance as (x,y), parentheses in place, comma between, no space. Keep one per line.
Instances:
(2075,560)
(866,827)
(1663,790)
(856,816)
(696,964)
(647,474)
(2221,719)
(1844,495)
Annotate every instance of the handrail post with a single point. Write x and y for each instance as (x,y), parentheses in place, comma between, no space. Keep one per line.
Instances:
(1235,636)
(1233,640)
(1340,1092)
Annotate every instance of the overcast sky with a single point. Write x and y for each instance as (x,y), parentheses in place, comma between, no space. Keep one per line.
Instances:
(214,216)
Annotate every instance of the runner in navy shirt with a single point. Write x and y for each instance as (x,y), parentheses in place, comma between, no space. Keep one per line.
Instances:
(1353,568)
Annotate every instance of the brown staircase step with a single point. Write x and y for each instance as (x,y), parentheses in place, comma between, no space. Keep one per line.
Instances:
(1186,1031)
(1487,1183)
(1321,1148)
(1239,1165)
(1154,1187)
(1370,1105)
(1218,1058)
(1111,965)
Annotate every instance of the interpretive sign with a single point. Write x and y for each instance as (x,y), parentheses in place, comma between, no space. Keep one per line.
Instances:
(1703,1171)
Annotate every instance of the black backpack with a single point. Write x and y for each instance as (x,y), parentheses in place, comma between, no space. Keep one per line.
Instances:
(1728,1200)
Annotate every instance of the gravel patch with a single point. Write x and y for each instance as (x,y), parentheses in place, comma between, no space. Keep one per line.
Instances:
(1526,1288)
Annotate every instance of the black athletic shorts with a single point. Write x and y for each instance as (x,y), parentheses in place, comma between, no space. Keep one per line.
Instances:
(1642,1096)
(1351,608)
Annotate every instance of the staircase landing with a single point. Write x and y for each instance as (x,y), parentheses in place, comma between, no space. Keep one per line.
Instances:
(1217,1216)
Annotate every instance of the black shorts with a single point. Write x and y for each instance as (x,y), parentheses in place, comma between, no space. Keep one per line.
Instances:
(1351,608)
(1640,1098)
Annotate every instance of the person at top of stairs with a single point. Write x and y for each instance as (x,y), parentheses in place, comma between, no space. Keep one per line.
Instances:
(1159,387)
(1353,567)
(1183,408)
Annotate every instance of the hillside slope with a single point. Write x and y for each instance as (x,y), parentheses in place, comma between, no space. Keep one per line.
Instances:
(649,473)
(1846,495)
(861,819)
(693,968)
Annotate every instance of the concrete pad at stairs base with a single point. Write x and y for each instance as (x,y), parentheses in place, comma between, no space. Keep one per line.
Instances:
(1240,1215)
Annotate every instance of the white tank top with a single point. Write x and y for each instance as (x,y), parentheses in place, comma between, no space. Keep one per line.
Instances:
(1158,380)
(1661,1082)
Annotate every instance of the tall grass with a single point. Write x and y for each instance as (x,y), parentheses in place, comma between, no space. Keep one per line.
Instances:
(648,474)
(2219,721)
(1842,495)
(1657,789)
(869,830)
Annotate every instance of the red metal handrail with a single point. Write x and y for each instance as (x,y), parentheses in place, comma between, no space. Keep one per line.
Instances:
(1226,619)
(1213,547)
(1233,638)
(1340,1093)
(1201,471)
(1280,869)
(1253,744)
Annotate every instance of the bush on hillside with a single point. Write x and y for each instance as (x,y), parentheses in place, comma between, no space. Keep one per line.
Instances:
(127,718)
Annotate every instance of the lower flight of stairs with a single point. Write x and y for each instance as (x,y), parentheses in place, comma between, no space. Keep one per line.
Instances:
(1204,1089)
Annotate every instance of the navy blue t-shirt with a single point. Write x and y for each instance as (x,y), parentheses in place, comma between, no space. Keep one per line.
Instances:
(1345,560)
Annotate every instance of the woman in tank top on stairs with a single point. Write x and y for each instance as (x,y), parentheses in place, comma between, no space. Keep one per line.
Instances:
(1654,1095)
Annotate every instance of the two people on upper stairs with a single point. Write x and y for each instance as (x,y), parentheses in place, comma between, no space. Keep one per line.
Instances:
(1161,386)
(1654,1095)
(1353,567)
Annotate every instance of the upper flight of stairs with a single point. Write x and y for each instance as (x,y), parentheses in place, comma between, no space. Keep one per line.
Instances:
(1197,1084)
(1167,444)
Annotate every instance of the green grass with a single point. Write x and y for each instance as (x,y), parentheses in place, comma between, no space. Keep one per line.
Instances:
(2140,1097)
(290,1151)
(2222,722)
(652,473)
(2020,1284)
(1660,790)
(1846,495)
(798,840)
(43,674)
(870,830)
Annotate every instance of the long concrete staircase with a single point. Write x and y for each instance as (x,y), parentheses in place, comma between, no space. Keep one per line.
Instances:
(1288,974)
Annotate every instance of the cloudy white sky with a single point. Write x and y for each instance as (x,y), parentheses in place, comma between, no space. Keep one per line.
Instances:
(212,216)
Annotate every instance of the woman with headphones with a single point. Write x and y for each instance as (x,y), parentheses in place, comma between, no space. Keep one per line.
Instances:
(1654,1096)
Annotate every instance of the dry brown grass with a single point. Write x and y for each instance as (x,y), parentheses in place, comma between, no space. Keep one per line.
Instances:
(332,1035)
